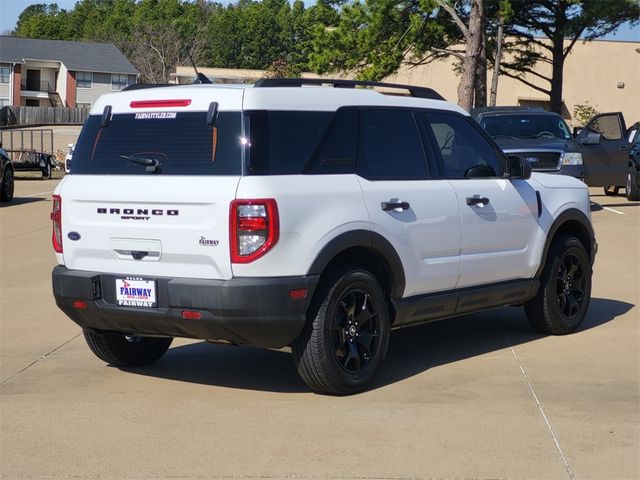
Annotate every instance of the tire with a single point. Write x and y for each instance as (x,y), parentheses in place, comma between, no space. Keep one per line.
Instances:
(611,191)
(346,336)
(633,189)
(46,171)
(121,350)
(565,288)
(6,191)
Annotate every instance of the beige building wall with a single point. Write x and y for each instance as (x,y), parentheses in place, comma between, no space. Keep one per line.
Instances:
(606,74)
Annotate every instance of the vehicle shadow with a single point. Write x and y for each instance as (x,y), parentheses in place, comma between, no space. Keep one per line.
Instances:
(411,351)
(22,201)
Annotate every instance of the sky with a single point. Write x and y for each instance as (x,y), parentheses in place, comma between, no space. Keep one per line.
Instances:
(10,11)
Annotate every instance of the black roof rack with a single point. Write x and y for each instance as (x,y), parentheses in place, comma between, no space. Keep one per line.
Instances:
(418,92)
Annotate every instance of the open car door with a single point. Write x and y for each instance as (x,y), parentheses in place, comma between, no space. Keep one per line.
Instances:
(605,150)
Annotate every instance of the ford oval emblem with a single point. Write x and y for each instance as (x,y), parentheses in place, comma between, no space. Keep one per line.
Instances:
(74,236)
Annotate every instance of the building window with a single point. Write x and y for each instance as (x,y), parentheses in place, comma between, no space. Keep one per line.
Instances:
(5,74)
(84,105)
(4,102)
(84,79)
(118,82)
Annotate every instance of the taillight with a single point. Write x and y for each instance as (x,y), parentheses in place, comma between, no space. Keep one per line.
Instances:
(253,228)
(56,218)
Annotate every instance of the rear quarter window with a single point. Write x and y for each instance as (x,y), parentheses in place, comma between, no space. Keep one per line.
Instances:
(282,142)
(181,142)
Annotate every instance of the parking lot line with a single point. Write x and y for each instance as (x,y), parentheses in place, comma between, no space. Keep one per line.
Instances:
(34,194)
(535,397)
(608,208)
(42,357)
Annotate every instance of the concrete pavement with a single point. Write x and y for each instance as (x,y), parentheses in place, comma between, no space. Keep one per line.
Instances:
(481,396)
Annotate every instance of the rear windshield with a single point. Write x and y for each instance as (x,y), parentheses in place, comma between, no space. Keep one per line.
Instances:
(526,126)
(178,143)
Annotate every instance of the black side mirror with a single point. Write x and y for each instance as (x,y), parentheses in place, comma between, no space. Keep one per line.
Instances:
(591,138)
(518,168)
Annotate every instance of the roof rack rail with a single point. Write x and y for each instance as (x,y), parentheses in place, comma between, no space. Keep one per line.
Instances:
(418,92)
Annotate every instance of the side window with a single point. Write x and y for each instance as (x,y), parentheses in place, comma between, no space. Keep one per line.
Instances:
(390,146)
(608,126)
(337,151)
(283,141)
(464,152)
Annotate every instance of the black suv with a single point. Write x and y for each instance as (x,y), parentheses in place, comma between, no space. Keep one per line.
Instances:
(597,153)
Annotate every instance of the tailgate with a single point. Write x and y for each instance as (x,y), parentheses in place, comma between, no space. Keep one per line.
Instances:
(155,225)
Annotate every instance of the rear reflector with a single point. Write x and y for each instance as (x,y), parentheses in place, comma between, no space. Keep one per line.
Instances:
(298,294)
(160,103)
(80,304)
(191,315)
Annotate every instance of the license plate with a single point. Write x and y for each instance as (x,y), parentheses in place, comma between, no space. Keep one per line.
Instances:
(136,292)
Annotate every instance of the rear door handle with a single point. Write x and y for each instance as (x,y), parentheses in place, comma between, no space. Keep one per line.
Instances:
(386,206)
(623,149)
(477,200)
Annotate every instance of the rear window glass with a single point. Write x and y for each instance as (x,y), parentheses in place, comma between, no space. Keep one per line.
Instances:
(182,143)
(282,142)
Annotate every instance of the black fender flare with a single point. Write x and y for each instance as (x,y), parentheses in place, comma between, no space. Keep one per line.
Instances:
(569,215)
(370,240)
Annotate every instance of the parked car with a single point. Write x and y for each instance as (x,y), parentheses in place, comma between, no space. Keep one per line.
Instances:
(68,157)
(633,174)
(319,218)
(6,177)
(598,153)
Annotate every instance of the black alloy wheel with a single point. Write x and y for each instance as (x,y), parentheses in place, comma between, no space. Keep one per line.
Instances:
(346,336)
(356,331)
(570,286)
(563,298)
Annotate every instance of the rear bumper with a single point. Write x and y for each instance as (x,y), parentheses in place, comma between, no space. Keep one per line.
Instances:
(253,311)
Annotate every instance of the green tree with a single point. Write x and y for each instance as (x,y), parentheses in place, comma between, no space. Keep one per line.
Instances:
(375,37)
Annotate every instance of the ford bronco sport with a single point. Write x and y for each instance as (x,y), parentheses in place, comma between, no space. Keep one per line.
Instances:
(291,213)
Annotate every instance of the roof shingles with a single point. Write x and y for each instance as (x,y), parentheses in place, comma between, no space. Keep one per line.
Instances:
(77,56)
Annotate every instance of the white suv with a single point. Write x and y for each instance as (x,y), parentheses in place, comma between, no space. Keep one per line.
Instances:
(291,213)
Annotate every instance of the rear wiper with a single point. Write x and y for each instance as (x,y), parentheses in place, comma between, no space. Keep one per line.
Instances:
(504,136)
(151,164)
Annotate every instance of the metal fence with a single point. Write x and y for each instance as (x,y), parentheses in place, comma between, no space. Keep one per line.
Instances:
(42,116)
(36,139)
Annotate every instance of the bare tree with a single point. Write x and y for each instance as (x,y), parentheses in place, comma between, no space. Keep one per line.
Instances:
(496,64)
(472,34)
